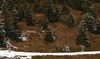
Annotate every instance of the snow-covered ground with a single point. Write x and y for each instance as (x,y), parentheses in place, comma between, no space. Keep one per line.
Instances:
(5,53)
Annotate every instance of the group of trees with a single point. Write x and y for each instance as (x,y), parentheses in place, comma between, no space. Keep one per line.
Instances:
(49,33)
(49,37)
(15,11)
(89,24)
(12,15)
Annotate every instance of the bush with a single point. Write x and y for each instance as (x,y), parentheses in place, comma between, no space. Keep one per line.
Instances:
(49,37)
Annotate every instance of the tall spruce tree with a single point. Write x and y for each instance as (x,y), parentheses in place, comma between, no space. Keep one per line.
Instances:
(51,13)
(57,14)
(79,20)
(5,11)
(49,35)
(71,21)
(11,30)
(85,5)
(82,38)
(36,8)
(2,34)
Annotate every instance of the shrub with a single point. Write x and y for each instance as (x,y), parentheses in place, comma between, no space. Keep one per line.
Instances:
(49,37)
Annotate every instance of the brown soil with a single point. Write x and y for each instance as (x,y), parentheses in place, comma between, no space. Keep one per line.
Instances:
(65,35)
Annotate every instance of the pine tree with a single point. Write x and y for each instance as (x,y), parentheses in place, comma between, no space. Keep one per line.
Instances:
(76,4)
(92,11)
(49,35)
(86,4)
(71,21)
(61,1)
(2,34)
(30,20)
(90,22)
(9,4)
(36,8)
(56,14)
(45,25)
(51,13)
(82,38)
(65,10)
(5,11)
(18,15)
(21,15)
(11,30)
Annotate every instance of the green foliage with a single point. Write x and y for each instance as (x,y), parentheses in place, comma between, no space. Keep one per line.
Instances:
(2,35)
(79,20)
(49,37)
(71,21)
(20,15)
(52,14)
(83,5)
(11,30)
(45,25)
(92,11)
(57,15)
(30,20)
(5,11)
(76,4)
(90,22)
(82,38)
(65,10)
(61,2)
(37,8)
(86,5)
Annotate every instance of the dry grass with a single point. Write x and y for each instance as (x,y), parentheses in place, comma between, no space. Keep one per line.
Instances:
(65,35)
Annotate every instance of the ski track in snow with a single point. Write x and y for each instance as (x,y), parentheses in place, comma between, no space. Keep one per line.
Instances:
(5,53)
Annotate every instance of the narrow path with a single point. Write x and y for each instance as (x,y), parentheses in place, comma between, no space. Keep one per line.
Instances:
(5,53)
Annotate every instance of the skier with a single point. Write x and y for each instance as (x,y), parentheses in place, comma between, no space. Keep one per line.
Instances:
(8,46)
(67,48)
(82,48)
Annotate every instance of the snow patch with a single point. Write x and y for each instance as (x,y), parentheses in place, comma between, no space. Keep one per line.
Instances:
(12,54)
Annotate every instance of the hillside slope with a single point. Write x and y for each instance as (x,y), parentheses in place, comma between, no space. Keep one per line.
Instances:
(65,36)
